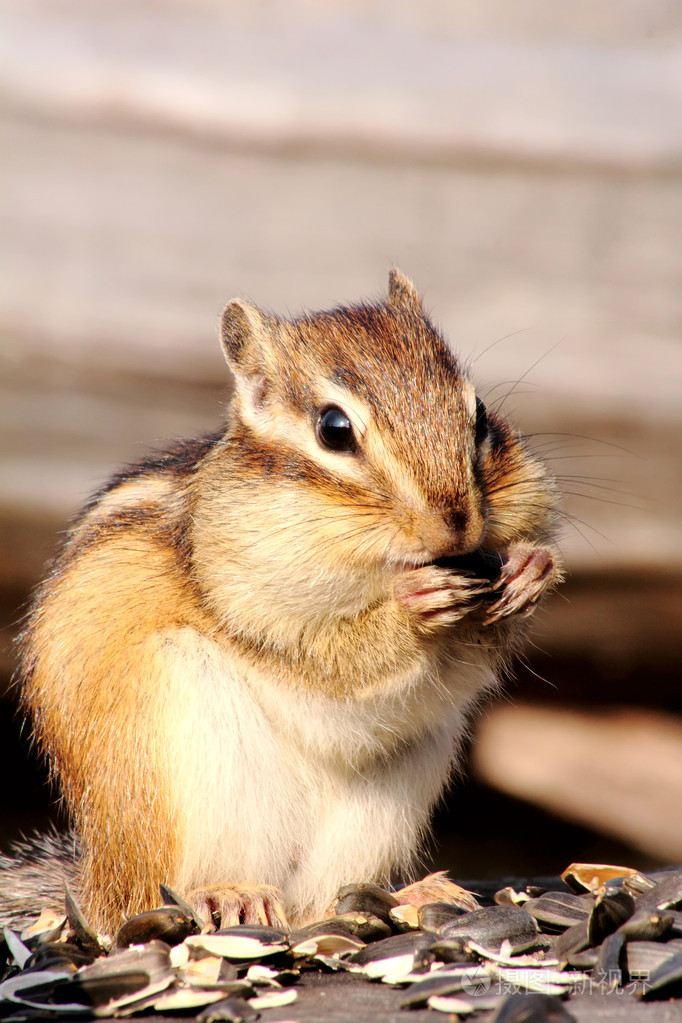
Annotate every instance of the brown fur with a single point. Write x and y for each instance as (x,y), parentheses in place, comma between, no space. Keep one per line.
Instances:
(288,561)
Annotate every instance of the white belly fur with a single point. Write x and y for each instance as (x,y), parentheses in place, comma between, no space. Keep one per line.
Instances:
(306,793)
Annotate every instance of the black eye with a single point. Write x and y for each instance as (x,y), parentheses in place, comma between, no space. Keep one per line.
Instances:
(334,430)
(481,428)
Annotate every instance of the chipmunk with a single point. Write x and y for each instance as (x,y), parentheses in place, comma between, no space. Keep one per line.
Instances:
(252,665)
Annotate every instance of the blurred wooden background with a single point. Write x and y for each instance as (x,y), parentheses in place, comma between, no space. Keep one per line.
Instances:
(523,164)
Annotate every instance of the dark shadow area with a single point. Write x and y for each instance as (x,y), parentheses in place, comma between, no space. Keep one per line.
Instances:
(26,800)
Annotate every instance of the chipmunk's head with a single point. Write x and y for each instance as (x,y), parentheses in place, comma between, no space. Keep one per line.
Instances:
(363,445)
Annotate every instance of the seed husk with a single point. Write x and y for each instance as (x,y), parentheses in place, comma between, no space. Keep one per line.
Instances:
(33,988)
(509,897)
(555,911)
(20,952)
(82,931)
(273,999)
(48,927)
(610,961)
(588,877)
(638,883)
(118,979)
(326,944)
(181,999)
(228,1010)
(612,907)
(573,940)
(332,925)
(666,893)
(493,925)
(664,977)
(58,953)
(327,937)
(241,943)
(395,955)
(452,1004)
(447,981)
(405,917)
(585,960)
(209,970)
(169,897)
(451,950)
(397,945)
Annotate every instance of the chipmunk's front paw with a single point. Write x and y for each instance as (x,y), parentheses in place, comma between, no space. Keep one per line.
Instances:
(239,904)
(526,575)
(435,596)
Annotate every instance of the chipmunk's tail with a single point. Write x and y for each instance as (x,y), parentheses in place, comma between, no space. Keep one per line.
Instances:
(32,876)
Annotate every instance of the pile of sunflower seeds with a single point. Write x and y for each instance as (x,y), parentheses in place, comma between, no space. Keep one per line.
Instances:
(607,929)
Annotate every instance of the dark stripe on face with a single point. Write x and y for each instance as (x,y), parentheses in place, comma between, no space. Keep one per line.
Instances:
(259,460)
(499,437)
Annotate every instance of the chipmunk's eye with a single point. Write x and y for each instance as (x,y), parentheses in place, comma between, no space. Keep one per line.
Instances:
(334,430)
(481,428)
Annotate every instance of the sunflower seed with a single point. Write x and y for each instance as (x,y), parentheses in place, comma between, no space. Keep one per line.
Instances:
(365,898)
(532,1008)
(366,926)
(645,957)
(555,911)
(493,925)
(435,915)
(168,923)
(646,926)
(666,975)
(612,907)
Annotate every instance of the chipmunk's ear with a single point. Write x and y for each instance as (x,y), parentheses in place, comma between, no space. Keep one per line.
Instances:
(402,292)
(247,336)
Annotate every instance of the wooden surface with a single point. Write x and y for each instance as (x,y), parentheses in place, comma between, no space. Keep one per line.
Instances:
(347,999)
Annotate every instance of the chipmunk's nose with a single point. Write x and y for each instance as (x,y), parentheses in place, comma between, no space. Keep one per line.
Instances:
(451,530)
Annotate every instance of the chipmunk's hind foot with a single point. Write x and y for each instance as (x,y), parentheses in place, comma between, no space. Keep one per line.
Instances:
(227,905)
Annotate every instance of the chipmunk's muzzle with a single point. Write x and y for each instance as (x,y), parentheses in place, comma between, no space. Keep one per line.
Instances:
(447,530)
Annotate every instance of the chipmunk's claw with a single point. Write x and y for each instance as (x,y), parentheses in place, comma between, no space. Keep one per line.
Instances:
(239,904)
(526,575)
(437,597)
